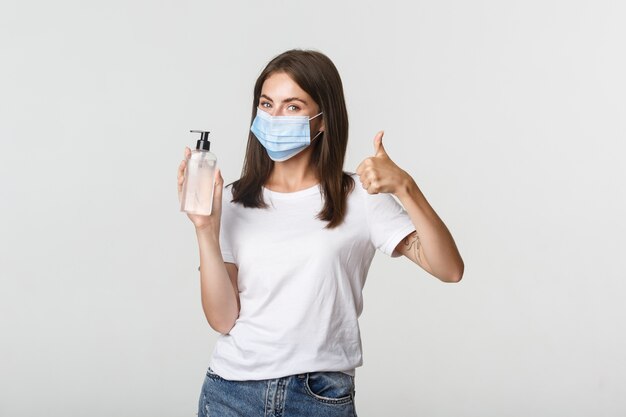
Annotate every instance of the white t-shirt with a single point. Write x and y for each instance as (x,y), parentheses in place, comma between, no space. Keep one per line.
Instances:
(300,285)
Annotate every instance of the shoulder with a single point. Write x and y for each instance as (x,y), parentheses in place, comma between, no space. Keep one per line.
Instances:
(362,193)
(227,192)
(357,182)
(227,197)
(369,201)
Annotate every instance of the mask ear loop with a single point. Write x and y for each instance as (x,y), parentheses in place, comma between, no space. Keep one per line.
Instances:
(318,133)
(311,118)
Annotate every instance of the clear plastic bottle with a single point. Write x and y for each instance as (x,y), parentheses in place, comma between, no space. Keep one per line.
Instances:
(197,195)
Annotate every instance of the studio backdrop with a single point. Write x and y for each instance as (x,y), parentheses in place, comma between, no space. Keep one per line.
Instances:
(509,115)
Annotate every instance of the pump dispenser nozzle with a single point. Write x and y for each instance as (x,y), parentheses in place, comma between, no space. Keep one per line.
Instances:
(203,143)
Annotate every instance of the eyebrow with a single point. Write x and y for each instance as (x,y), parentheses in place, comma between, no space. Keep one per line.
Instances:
(287,100)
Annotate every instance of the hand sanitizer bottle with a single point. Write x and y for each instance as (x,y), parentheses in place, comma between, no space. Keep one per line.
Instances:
(197,196)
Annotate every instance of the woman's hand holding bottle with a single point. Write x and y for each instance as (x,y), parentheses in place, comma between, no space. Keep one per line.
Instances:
(210,223)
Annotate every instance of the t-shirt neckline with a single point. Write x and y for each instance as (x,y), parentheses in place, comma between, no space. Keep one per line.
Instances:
(314,189)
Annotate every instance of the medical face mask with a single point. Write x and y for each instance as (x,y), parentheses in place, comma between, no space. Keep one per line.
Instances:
(282,136)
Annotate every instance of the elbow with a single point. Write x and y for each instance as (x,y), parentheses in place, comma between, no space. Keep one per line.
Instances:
(222,325)
(223,331)
(454,275)
(222,328)
(453,278)
(221,320)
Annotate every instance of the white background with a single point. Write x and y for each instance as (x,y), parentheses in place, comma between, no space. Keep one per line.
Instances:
(510,116)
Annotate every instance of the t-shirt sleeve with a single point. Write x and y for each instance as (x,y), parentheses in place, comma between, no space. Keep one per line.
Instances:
(388,222)
(226,227)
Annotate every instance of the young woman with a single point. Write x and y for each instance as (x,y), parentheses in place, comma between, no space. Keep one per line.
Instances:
(285,253)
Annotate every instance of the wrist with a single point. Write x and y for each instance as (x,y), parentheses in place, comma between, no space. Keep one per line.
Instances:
(407,187)
(208,234)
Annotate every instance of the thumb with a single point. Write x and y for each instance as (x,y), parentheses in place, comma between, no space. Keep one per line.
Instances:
(378,144)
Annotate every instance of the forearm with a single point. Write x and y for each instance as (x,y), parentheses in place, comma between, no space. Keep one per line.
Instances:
(436,242)
(219,299)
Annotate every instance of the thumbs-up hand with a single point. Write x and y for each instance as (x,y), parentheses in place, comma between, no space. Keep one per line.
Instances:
(378,173)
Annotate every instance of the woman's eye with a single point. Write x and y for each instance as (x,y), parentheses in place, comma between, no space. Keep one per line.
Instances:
(292,107)
(266,104)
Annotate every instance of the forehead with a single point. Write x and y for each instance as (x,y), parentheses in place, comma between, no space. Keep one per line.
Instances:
(279,86)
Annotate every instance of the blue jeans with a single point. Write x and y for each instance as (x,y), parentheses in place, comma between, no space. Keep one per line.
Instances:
(313,394)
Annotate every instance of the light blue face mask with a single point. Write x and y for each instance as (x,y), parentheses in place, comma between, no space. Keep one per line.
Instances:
(282,136)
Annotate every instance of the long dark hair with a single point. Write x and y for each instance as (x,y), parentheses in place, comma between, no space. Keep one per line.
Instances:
(316,74)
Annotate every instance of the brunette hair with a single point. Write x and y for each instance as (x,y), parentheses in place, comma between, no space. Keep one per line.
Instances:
(316,74)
